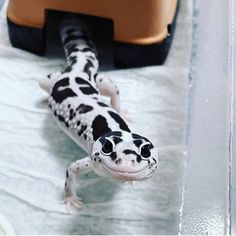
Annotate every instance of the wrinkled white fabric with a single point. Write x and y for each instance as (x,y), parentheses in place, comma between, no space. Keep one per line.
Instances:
(35,152)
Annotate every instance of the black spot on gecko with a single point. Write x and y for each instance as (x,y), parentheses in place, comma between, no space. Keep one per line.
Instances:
(120,121)
(67,174)
(72,48)
(84,37)
(92,58)
(102,140)
(91,45)
(72,114)
(72,59)
(88,50)
(61,118)
(117,140)
(61,83)
(60,95)
(128,151)
(82,108)
(79,80)
(82,129)
(139,159)
(137,136)
(95,76)
(138,142)
(70,38)
(87,66)
(100,127)
(113,155)
(113,133)
(116,133)
(88,90)
(118,161)
(68,69)
(102,104)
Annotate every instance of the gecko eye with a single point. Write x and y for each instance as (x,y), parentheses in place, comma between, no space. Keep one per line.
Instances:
(145,151)
(107,147)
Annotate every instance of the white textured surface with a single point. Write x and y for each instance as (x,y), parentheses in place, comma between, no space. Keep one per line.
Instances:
(35,152)
(5,226)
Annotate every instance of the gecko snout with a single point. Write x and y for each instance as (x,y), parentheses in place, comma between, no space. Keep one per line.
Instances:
(121,161)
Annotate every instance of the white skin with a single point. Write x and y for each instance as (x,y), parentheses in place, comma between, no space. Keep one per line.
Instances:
(119,154)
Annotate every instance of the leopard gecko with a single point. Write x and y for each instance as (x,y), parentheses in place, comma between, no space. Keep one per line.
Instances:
(78,107)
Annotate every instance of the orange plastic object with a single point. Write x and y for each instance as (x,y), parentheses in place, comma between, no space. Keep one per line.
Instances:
(135,21)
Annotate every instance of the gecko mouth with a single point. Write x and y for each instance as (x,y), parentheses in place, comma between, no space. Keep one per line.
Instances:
(127,175)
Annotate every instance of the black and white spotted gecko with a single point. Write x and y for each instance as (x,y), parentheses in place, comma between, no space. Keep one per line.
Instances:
(78,107)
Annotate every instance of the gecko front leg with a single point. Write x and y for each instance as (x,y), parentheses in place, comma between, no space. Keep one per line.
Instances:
(82,166)
(107,88)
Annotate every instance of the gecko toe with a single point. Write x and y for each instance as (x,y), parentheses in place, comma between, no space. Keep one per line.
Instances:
(73,201)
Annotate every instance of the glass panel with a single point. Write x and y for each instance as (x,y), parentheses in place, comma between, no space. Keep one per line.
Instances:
(206,197)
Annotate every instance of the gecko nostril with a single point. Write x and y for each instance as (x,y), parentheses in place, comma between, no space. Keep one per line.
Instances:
(118,161)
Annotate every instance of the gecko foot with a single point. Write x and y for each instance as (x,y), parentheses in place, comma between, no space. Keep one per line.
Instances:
(73,201)
(47,83)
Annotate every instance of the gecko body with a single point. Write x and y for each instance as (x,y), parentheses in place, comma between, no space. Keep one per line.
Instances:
(78,107)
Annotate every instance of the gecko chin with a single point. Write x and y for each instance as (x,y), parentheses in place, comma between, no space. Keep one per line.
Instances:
(124,174)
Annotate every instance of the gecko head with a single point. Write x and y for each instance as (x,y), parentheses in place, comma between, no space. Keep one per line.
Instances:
(125,156)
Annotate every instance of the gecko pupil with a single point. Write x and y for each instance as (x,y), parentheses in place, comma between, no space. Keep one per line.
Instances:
(145,151)
(107,147)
